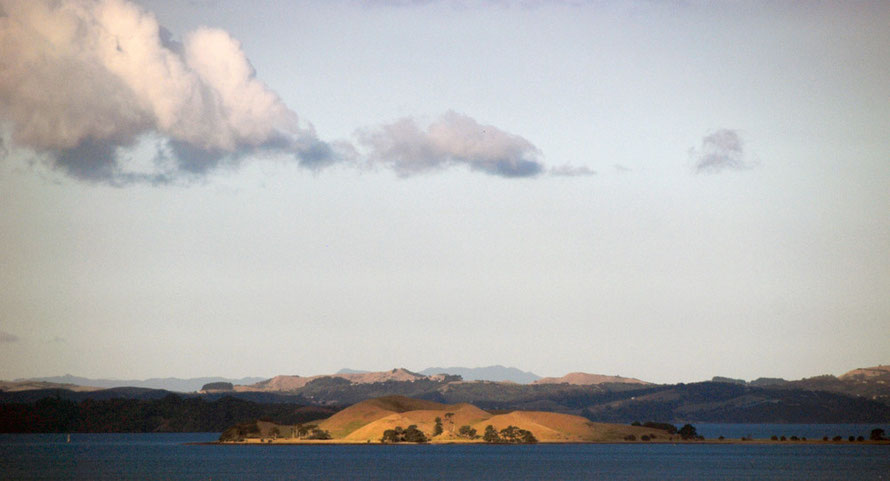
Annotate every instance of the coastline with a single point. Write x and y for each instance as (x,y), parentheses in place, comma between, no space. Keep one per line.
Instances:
(329,442)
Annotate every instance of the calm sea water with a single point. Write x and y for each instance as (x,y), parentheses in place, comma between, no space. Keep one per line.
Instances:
(167,457)
(764,431)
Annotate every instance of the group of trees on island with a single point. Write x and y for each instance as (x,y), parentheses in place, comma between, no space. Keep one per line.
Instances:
(508,435)
(687,432)
(240,432)
(399,435)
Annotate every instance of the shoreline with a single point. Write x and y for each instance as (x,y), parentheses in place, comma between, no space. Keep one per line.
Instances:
(759,442)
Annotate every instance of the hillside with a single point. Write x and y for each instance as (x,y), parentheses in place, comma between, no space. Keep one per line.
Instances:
(171,413)
(369,421)
(292,383)
(585,379)
(489,373)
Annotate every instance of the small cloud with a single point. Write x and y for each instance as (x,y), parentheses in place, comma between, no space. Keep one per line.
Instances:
(571,171)
(720,150)
(6,337)
(453,139)
(621,169)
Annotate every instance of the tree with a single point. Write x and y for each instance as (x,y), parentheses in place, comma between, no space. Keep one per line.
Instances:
(449,418)
(514,435)
(528,437)
(437,430)
(491,435)
(876,434)
(399,435)
(414,435)
(688,432)
(317,433)
(467,432)
(389,436)
(275,432)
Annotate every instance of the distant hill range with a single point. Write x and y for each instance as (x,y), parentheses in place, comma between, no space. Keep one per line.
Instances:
(489,373)
(291,383)
(584,379)
(859,396)
(167,383)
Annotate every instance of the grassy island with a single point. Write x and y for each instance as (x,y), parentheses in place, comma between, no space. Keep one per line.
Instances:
(398,419)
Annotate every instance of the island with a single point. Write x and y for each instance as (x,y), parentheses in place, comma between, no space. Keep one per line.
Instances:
(400,419)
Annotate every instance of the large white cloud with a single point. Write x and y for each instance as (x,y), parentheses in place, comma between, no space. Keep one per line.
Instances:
(88,76)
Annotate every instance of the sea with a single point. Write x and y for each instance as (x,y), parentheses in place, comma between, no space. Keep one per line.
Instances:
(102,457)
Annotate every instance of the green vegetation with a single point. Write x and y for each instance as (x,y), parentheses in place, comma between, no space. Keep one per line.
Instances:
(437,430)
(688,432)
(670,428)
(467,432)
(876,434)
(240,432)
(171,413)
(316,433)
(218,386)
(508,435)
(399,435)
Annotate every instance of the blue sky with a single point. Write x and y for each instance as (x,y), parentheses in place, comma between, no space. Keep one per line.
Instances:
(663,190)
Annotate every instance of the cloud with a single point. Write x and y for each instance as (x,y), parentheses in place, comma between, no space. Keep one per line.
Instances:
(720,150)
(622,169)
(571,171)
(453,139)
(85,83)
(80,80)
(6,337)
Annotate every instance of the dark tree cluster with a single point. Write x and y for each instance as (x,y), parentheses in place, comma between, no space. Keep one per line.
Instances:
(467,432)
(508,435)
(688,432)
(399,435)
(172,413)
(240,432)
(311,431)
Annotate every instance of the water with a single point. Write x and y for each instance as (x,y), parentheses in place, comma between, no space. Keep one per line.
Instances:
(764,431)
(165,456)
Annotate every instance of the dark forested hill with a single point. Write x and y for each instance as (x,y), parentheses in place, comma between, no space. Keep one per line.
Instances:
(171,413)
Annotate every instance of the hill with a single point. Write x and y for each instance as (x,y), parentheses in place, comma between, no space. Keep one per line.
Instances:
(171,413)
(166,383)
(488,373)
(585,379)
(294,382)
(369,421)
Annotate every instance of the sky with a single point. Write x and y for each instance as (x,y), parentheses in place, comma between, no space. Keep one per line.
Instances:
(662,190)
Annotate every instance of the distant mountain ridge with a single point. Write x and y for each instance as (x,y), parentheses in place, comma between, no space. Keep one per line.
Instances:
(286,383)
(585,379)
(174,384)
(495,373)
(860,396)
